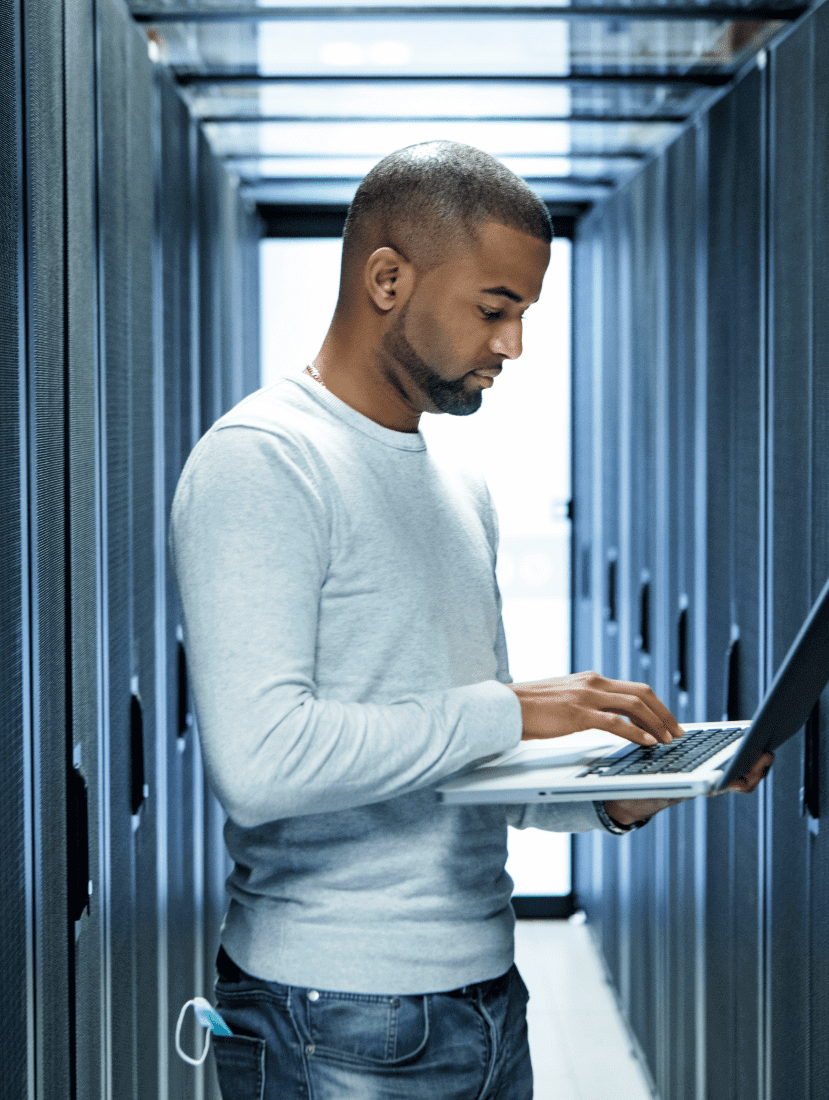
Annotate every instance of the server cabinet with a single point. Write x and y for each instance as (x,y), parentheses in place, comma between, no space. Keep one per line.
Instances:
(734,924)
(797,510)
(734,596)
(644,208)
(684,283)
(88,971)
(183,949)
(42,224)
(130,824)
(146,710)
(582,460)
(816,759)
(612,436)
(16,886)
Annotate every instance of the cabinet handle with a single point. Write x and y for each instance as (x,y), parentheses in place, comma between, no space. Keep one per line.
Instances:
(78,843)
(137,788)
(184,720)
(731,688)
(611,591)
(643,639)
(681,672)
(810,791)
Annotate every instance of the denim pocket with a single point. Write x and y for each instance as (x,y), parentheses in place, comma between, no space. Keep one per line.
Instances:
(364,1029)
(240,1064)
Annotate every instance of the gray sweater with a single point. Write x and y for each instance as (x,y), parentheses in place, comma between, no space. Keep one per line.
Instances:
(346,653)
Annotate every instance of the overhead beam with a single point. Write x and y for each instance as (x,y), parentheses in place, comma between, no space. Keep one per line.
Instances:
(702,79)
(237,120)
(328,219)
(666,13)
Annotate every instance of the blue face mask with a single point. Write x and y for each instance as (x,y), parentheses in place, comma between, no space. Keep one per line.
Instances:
(209,1019)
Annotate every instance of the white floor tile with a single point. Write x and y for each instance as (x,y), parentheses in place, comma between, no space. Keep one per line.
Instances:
(580,1046)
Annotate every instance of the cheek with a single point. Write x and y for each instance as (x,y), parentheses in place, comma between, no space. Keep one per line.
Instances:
(434,338)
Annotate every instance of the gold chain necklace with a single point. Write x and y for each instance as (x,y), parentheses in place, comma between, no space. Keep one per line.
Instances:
(312,370)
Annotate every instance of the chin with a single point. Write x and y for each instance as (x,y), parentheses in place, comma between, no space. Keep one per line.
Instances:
(459,404)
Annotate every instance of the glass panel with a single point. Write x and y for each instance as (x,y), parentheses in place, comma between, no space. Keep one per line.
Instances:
(437,100)
(313,190)
(374,140)
(248,7)
(543,46)
(357,167)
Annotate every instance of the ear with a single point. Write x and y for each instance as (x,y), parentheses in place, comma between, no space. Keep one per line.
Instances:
(388,277)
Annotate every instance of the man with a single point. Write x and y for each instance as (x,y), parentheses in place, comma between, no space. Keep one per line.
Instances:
(346,652)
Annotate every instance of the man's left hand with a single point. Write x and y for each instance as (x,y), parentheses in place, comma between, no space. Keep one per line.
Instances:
(625,811)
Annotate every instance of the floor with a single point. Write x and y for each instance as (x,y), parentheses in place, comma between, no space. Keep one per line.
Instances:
(570,1004)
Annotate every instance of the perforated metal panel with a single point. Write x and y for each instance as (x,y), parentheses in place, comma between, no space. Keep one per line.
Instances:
(178,741)
(140,195)
(582,414)
(115,335)
(819,922)
(45,314)
(790,373)
(15,872)
(82,351)
(754,869)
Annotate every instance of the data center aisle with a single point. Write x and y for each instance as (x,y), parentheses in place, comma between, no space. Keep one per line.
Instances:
(580,1046)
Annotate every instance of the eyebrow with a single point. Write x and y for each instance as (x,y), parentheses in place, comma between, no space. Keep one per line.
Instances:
(504,291)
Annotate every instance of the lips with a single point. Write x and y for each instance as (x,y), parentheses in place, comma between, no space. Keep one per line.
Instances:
(487,374)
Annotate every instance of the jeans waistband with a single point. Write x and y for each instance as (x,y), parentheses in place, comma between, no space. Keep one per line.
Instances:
(230,972)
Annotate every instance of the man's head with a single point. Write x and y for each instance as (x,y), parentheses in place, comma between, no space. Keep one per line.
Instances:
(444,250)
(425,199)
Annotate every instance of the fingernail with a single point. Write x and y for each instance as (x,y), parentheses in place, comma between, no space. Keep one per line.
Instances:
(649,739)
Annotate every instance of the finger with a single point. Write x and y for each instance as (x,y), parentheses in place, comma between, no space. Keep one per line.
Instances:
(637,710)
(614,723)
(748,782)
(645,693)
(627,810)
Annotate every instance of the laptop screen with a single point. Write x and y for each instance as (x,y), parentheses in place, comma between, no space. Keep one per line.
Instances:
(794,691)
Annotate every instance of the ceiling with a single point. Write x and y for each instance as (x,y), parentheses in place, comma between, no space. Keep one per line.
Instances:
(302,100)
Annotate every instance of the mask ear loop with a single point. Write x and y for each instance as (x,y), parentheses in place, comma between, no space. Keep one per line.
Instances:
(179,1051)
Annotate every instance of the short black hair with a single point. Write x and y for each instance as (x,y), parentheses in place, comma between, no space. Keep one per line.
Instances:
(419,199)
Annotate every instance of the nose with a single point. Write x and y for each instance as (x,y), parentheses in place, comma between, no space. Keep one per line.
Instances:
(506,341)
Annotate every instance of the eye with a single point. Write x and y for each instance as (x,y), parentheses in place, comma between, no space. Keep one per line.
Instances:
(490,314)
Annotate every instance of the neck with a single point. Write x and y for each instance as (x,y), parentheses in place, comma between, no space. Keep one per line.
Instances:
(356,370)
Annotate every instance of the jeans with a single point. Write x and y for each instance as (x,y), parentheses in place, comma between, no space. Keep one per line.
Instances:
(290,1043)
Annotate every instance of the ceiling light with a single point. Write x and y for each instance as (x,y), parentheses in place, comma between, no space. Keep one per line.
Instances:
(390,53)
(342,54)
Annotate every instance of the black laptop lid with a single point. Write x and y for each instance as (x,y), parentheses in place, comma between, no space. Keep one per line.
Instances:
(795,690)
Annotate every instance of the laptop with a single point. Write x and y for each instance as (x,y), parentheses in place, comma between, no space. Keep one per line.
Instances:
(595,765)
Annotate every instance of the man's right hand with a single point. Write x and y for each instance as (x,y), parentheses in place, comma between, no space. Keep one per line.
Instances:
(586,700)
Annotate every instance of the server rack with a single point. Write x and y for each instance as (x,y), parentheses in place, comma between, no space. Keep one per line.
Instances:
(713,925)
(112,868)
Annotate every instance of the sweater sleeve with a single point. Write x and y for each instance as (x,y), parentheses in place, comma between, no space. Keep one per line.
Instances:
(250,541)
(554,817)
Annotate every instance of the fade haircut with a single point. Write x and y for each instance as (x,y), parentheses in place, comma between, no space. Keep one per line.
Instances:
(422,199)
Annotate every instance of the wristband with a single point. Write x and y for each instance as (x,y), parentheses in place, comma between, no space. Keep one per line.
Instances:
(614,826)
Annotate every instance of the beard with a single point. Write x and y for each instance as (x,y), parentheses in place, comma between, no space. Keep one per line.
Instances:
(447,397)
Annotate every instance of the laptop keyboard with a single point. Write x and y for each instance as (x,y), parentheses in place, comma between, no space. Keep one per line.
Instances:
(684,754)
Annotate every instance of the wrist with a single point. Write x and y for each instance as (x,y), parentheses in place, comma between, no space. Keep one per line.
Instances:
(609,813)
